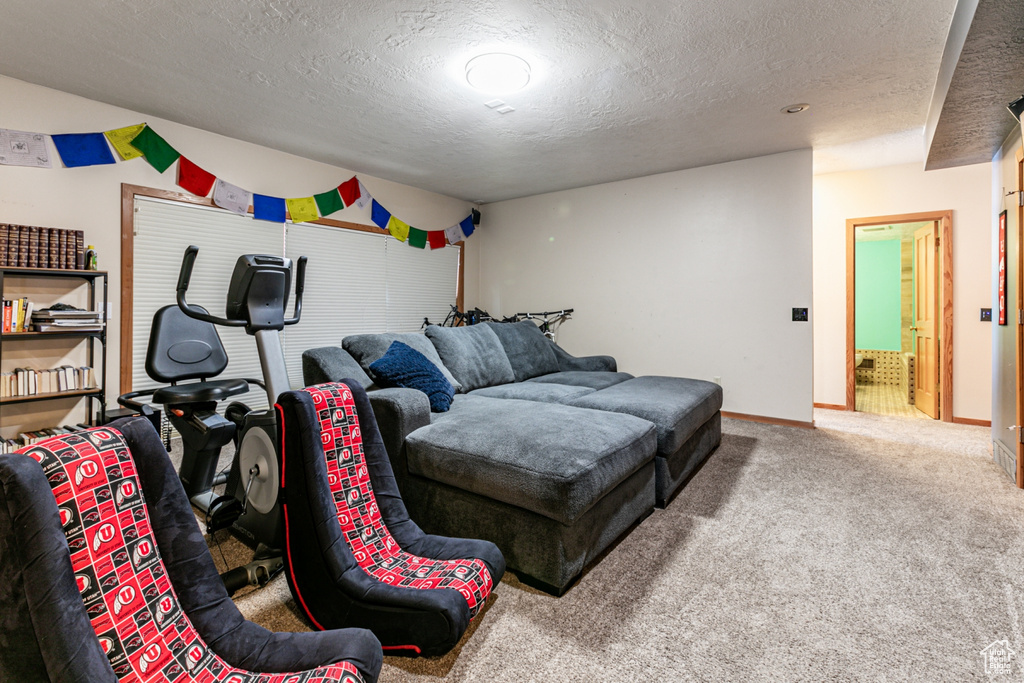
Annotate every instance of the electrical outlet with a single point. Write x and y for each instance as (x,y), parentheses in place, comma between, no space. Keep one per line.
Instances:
(799,315)
(986,315)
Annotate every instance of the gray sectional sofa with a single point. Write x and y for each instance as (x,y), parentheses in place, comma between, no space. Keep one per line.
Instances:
(549,456)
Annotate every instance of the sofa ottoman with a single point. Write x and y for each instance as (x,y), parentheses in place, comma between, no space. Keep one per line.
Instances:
(559,483)
(686,412)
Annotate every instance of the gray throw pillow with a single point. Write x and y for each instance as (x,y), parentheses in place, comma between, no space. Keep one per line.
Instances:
(473,354)
(529,352)
(366,348)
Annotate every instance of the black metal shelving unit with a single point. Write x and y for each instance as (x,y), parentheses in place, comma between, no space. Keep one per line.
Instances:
(97,282)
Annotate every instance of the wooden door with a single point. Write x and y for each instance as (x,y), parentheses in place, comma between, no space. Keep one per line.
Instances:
(926,320)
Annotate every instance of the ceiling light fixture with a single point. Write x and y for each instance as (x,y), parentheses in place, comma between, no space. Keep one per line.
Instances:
(796,108)
(497,73)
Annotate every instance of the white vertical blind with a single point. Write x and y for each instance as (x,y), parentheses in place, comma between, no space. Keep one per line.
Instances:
(421,284)
(356,282)
(345,293)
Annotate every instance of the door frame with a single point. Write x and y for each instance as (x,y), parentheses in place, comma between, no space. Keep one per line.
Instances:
(1016,316)
(945,225)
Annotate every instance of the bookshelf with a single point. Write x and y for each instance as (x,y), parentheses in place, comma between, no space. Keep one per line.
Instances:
(95,340)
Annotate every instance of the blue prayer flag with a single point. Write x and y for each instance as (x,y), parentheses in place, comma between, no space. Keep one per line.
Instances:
(266,208)
(467,226)
(83,149)
(380,216)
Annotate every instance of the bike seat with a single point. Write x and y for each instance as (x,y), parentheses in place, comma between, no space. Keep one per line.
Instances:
(200,392)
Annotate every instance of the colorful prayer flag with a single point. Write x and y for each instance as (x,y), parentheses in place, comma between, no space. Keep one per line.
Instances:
(437,239)
(364,196)
(454,234)
(302,209)
(121,139)
(266,208)
(21,148)
(349,191)
(158,153)
(467,226)
(83,149)
(329,202)
(398,229)
(380,216)
(417,238)
(232,197)
(194,179)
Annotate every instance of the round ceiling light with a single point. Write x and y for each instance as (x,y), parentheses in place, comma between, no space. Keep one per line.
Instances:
(796,108)
(497,73)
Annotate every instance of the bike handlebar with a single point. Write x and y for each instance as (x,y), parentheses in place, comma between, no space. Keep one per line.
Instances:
(185,276)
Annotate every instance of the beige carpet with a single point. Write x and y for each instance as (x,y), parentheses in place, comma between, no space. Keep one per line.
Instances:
(872,548)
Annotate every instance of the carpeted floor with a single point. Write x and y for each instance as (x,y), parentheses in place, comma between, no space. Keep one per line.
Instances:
(871,548)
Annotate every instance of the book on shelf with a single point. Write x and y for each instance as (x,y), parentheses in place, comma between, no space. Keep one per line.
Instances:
(31,438)
(49,320)
(33,246)
(22,382)
(17,315)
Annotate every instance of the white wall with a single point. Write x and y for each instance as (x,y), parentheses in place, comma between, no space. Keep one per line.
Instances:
(692,273)
(90,198)
(898,190)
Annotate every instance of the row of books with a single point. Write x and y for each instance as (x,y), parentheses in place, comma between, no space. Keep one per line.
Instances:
(32,246)
(17,315)
(31,382)
(28,438)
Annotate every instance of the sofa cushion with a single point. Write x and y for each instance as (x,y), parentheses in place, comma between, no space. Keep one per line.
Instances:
(534,391)
(678,406)
(404,366)
(331,364)
(551,459)
(595,379)
(473,354)
(367,348)
(529,352)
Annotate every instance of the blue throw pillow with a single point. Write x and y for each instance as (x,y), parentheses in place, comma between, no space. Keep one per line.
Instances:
(404,366)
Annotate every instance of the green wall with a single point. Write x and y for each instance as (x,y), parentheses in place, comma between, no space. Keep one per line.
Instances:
(877,296)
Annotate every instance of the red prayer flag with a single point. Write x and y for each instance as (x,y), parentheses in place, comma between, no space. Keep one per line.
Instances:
(437,239)
(349,191)
(194,179)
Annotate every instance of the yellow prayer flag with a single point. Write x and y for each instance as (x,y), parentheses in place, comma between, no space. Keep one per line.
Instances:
(121,139)
(303,209)
(398,229)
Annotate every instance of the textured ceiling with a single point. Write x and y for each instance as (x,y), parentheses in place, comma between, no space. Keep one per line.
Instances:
(989,74)
(619,90)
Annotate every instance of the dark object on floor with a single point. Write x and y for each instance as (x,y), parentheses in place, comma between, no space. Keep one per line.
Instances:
(354,557)
(104,575)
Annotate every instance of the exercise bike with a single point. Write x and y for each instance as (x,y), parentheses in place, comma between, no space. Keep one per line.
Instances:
(184,345)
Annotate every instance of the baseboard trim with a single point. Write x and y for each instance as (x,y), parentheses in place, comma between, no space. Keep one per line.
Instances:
(769,420)
(972,421)
(829,406)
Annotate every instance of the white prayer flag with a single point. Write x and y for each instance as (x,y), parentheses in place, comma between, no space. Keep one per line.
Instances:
(454,234)
(364,196)
(19,148)
(231,197)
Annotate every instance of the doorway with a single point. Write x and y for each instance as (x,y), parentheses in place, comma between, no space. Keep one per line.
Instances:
(918,362)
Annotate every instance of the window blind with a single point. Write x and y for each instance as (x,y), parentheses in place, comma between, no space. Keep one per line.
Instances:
(356,282)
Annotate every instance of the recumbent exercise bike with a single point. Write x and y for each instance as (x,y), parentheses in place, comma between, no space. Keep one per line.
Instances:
(184,345)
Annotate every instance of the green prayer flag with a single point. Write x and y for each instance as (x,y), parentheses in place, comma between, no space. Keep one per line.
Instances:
(156,150)
(417,238)
(329,202)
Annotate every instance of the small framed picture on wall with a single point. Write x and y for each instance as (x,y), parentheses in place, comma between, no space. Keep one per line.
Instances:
(1002,268)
